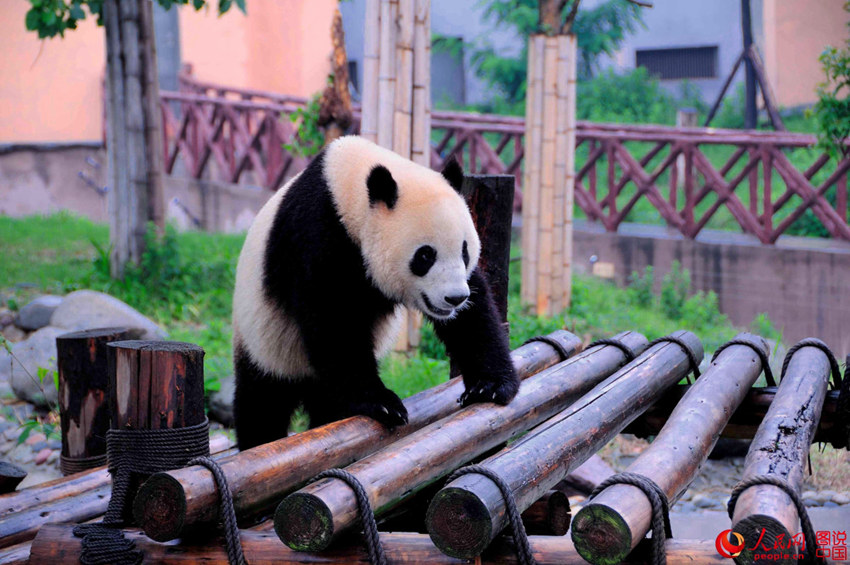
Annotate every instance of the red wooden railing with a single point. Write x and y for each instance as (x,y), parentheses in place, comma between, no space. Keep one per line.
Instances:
(623,172)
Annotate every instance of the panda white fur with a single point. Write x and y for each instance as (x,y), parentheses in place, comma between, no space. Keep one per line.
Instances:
(325,268)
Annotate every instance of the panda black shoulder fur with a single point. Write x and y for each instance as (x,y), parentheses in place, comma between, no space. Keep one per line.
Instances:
(325,268)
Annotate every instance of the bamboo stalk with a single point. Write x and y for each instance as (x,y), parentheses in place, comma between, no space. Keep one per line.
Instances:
(469,512)
(371,70)
(260,476)
(312,518)
(568,54)
(386,77)
(612,524)
(781,448)
(421,128)
(533,148)
(526,292)
(57,545)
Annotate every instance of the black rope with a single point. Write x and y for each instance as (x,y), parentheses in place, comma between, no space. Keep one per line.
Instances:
(657,498)
(805,522)
(627,351)
(134,453)
(765,362)
(841,432)
(523,548)
(233,543)
(557,345)
(692,358)
(814,342)
(71,465)
(367,516)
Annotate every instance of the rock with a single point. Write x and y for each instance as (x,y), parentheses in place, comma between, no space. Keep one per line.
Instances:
(42,456)
(702,501)
(13,333)
(810,502)
(38,351)
(808,494)
(6,318)
(829,504)
(841,498)
(54,456)
(88,309)
(37,313)
(35,438)
(221,402)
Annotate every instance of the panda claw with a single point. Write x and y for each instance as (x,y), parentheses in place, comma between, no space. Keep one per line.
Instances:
(384,408)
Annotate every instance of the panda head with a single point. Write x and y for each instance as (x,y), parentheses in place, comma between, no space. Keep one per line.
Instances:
(417,237)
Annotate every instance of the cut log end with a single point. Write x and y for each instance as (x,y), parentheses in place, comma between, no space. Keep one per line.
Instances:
(600,535)
(558,507)
(775,536)
(304,522)
(160,507)
(10,476)
(459,523)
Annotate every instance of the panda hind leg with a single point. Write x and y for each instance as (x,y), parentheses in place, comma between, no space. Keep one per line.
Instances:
(263,404)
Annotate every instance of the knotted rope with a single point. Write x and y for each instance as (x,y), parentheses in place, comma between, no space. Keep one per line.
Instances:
(765,362)
(660,524)
(627,351)
(692,358)
(131,454)
(556,345)
(232,542)
(367,516)
(805,521)
(523,548)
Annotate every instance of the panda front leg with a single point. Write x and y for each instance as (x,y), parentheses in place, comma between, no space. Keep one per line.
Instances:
(347,381)
(476,341)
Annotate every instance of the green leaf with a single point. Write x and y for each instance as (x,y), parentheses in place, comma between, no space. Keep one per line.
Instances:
(76,12)
(241,5)
(198,4)
(32,19)
(224,6)
(26,430)
(48,18)
(41,372)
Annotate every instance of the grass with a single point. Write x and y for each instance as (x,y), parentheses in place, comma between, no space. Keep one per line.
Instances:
(185,285)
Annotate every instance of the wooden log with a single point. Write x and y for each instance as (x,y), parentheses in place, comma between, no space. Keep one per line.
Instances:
(11,476)
(65,487)
(611,524)
(490,199)
(57,545)
(262,475)
(549,515)
(156,384)
(587,475)
(469,512)
(18,554)
(22,523)
(312,518)
(781,448)
(744,422)
(83,366)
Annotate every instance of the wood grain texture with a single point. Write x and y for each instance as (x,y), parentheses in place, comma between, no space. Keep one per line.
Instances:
(781,448)
(610,525)
(83,366)
(468,513)
(259,477)
(312,518)
(57,545)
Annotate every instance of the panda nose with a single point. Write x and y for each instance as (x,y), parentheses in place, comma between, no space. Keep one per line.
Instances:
(456,300)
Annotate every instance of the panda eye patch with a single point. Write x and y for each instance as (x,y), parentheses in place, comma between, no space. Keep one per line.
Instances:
(465,254)
(423,260)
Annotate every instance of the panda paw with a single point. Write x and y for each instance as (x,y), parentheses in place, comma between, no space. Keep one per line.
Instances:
(500,392)
(384,406)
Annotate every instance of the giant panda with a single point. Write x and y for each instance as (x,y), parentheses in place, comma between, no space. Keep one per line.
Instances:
(325,269)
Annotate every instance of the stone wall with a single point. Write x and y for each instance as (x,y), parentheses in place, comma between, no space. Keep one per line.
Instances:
(803,284)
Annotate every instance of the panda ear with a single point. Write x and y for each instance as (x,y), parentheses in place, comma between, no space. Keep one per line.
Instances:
(453,172)
(382,187)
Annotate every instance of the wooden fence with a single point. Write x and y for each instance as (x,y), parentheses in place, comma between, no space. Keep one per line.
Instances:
(688,178)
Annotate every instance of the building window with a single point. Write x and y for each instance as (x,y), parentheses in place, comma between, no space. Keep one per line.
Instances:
(678,63)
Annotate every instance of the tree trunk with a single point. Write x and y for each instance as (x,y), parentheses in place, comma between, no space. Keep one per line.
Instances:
(335,104)
(134,141)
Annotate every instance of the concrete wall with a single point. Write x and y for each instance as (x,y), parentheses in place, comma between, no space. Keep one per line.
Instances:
(40,179)
(803,284)
(51,90)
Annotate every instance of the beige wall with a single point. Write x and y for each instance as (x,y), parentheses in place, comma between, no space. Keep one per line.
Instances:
(795,34)
(51,90)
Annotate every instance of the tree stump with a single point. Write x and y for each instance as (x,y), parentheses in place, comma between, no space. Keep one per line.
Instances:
(83,408)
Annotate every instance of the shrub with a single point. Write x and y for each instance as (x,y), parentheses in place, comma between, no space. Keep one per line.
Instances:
(675,287)
(641,287)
